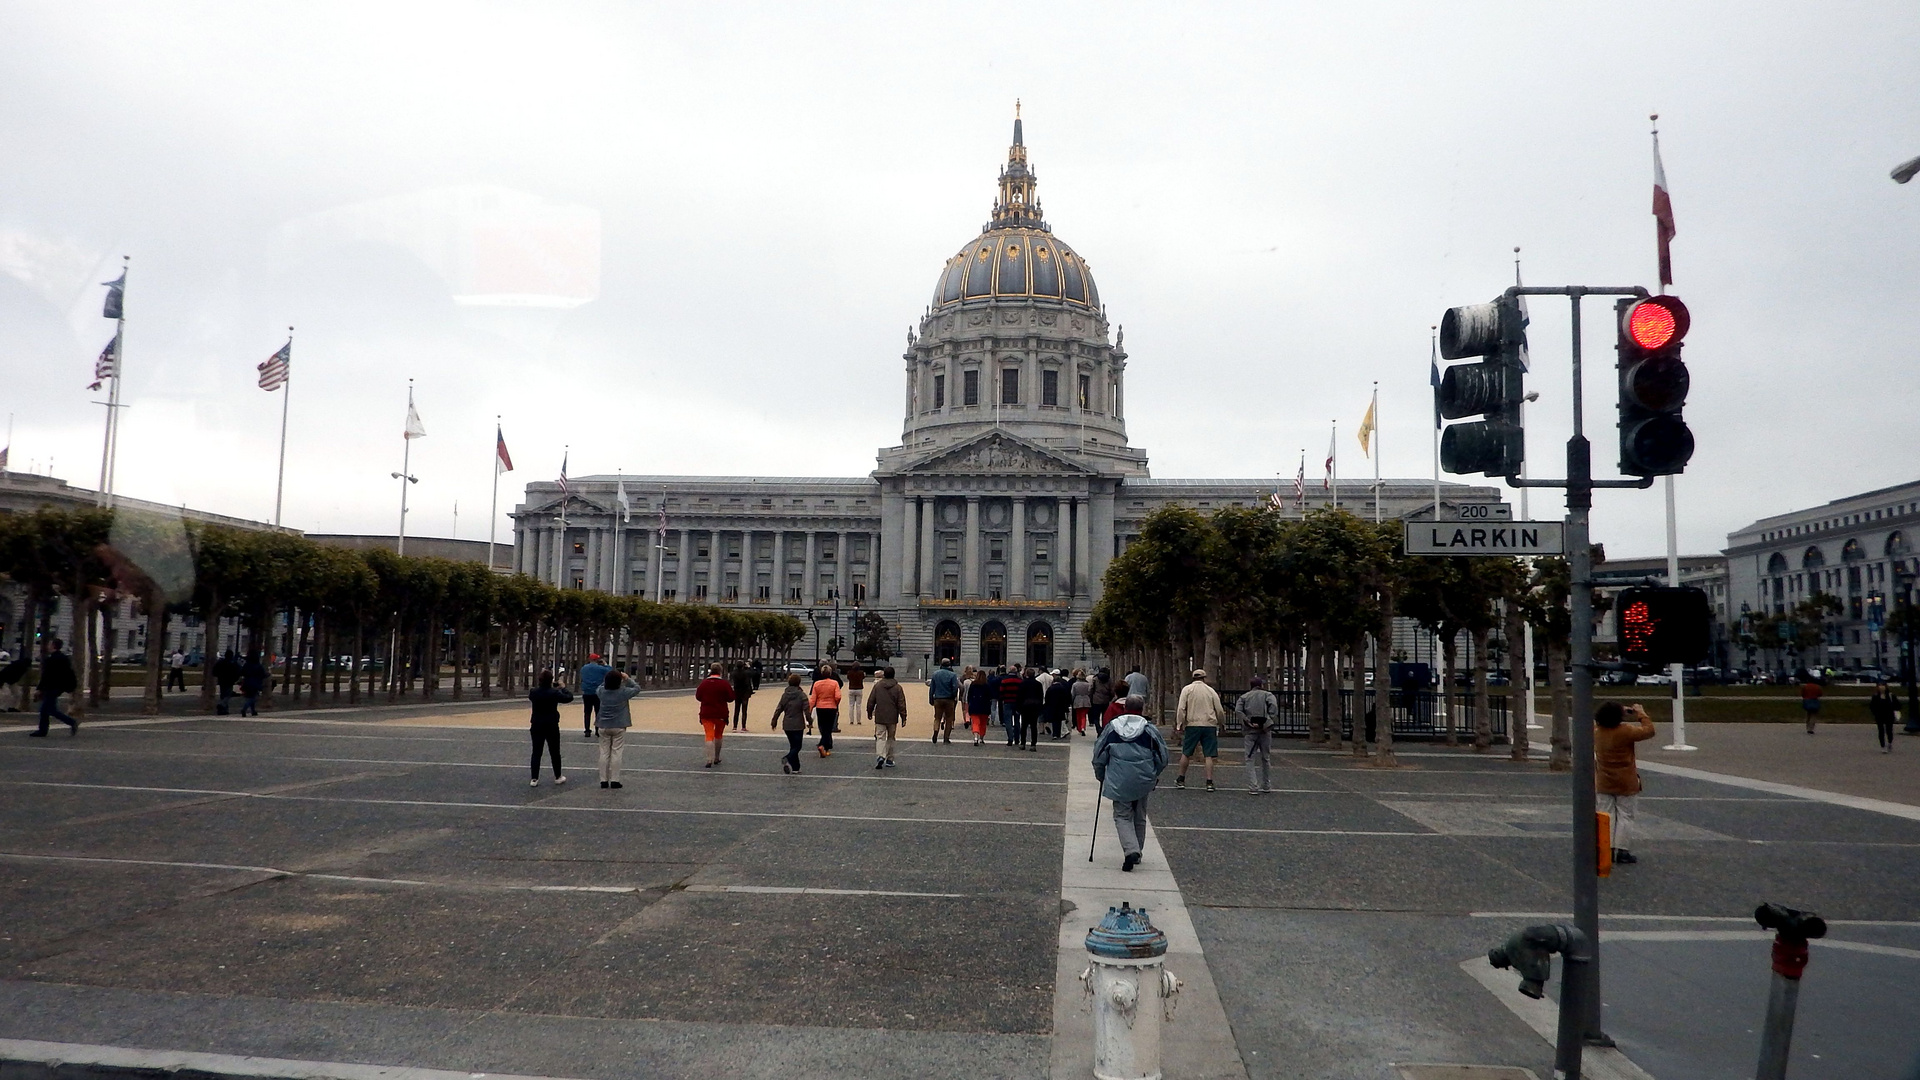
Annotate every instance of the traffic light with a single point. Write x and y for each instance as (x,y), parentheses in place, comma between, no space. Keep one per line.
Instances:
(1654,440)
(1491,389)
(1661,626)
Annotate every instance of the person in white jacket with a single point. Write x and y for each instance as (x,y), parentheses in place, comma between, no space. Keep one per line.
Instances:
(1197,721)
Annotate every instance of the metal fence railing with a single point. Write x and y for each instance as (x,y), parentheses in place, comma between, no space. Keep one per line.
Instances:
(1415,714)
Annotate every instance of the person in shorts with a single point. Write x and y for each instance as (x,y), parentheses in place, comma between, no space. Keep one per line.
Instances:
(715,694)
(1810,691)
(1197,721)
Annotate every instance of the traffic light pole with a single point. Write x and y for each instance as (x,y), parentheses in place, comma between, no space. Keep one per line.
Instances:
(1579,486)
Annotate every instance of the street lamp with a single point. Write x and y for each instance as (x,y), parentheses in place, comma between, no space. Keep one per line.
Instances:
(814,618)
(1903,584)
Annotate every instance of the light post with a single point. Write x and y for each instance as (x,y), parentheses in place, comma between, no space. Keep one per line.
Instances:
(835,641)
(1903,583)
(814,618)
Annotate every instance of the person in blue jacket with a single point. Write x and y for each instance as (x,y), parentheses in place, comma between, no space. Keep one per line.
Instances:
(1127,760)
(592,674)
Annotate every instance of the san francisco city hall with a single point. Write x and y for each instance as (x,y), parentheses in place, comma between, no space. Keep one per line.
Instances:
(985,534)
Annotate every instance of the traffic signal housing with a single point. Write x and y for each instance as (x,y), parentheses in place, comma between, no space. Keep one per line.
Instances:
(1492,389)
(1660,626)
(1654,440)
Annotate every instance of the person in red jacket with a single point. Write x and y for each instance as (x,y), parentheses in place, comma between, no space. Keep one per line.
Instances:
(715,695)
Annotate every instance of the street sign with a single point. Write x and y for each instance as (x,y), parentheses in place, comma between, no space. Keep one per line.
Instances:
(1485,538)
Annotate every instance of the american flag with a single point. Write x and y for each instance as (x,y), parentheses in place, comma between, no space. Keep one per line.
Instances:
(502,461)
(105,367)
(1300,482)
(565,488)
(277,368)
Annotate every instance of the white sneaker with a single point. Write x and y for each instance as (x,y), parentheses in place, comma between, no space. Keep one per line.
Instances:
(536,782)
(558,780)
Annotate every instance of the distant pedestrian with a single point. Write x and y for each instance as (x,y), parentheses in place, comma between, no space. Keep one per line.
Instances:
(943,693)
(1127,761)
(887,708)
(1136,683)
(979,705)
(1257,709)
(1082,691)
(176,671)
(616,690)
(1810,691)
(714,694)
(856,686)
(593,673)
(1101,697)
(13,680)
(253,683)
(1616,777)
(56,677)
(1885,709)
(744,684)
(1196,719)
(1007,693)
(792,715)
(545,724)
(1033,702)
(824,696)
(1057,705)
(226,672)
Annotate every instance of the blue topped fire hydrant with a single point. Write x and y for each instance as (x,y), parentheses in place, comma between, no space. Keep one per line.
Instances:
(1132,993)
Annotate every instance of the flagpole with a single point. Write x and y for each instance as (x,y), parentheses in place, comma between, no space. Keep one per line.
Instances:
(406,475)
(286,395)
(1374,410)
(1434,343)
(493,511)
(1333,464)
(113,395)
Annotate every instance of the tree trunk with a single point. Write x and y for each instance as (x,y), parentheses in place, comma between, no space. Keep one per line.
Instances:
(156,645)
(354,668)
(209,650)
(1482,712)
(301,680)
(1360,704)
(1330,660)
(1519,679)
(103,677)
(1382,690)
(1561,734)
(80,640)
(1316,701)
(1449,653)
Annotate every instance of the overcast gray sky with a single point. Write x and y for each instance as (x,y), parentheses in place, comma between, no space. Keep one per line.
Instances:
(691,238)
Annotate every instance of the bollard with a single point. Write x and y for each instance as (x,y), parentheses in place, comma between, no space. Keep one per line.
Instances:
(1132,993)
(1530,953)
(1791,931)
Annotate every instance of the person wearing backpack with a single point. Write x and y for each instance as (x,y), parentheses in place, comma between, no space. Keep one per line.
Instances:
(56,678)
(1258,709)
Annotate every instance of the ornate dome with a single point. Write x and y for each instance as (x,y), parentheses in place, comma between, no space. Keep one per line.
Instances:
(1017,255)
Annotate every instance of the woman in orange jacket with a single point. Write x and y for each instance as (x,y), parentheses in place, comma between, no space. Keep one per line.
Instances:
(825,700)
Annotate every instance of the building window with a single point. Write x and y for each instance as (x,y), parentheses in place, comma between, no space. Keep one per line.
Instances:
(669,594)
(1050,387)
(763,591)
(826,552)
(970,388)
(996,586)
(700,549)
(579,547)
(950,586)
(579,582)
(951,547)
(996,549)
(733,547)
(826,591)
(939,391)
(1042,586)
(763,547)
(859,590)
(1039,551)
(732,587)
(1010,386)
(1086,393)
(700,585)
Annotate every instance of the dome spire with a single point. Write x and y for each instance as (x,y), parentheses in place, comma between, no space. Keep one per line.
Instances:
(1017,205)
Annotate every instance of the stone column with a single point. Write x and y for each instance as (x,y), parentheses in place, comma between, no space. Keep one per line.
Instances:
(1082,550)
(1101,527)
(929,579)
(1017,551)
(592,570)
(842,548)
(780,566)
(811,572)
(970,552)
(883,567)
(652,586)
(683,581)
(910,550)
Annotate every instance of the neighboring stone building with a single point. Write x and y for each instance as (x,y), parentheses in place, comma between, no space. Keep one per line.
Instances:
(985,534)
(1853,548)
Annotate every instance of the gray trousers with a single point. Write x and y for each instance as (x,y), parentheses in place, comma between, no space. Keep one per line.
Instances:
(1259,747)
(1130,821)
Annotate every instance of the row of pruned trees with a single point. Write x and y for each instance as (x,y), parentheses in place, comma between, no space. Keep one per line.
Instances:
(346,625)
(1245,591)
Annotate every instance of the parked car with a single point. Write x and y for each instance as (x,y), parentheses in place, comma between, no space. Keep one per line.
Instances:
(801,668)
(1654,680)
(1614,678)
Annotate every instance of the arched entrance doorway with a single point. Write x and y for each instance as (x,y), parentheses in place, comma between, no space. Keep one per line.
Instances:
(946,642)
(993,645)
(1040,644)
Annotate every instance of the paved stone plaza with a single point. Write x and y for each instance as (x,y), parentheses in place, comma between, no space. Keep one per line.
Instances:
(388,890)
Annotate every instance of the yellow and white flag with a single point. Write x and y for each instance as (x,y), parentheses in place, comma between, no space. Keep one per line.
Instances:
(1366,429)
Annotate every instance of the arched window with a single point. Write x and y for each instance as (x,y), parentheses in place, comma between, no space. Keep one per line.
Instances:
(1813,559)
(1040,644)
(993,644)
(1898,546)
(946,642)
(1851,551)
(1777,564)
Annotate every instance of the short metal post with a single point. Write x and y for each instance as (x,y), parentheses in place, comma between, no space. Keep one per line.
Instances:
(1792,930)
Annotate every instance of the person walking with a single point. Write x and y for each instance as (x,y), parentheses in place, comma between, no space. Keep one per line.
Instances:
(887,708)
(792,715)
(1007,693)
(1101,697)
(592,674)
(226,672)
(979,705)
(253,682)
(714,694)
(56,677)
(1082,691)
(176,671)
(545,724)
(1258,709)
(13,680)
(1810,691)
(856,685)
(1885,709)
(943,692)
(1128,758)
(1057,705)
(1136,683)
(1616,778)
(1196,719)
(824,696)
(1033,702)
(743,687)
(616,690)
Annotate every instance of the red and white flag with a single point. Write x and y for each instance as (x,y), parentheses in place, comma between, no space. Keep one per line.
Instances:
(502,461)
(276,369)
(1662,214)
(1326,484)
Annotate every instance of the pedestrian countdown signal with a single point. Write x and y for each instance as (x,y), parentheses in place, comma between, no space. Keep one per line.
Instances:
(1661,626)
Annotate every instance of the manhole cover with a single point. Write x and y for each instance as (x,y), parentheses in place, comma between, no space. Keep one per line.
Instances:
(1465,1072)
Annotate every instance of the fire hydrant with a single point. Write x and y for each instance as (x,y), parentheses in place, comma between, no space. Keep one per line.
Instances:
(1132,993)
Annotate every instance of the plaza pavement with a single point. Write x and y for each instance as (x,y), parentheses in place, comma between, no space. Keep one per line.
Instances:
(384,888)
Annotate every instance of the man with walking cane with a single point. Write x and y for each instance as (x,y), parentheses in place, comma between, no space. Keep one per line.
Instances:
(1127,760)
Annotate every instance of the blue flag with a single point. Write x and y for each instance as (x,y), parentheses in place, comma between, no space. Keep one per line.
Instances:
(116,290)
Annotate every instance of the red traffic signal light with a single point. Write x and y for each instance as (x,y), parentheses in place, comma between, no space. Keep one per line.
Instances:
(1661,626)
(1654,439)
(1657,322)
